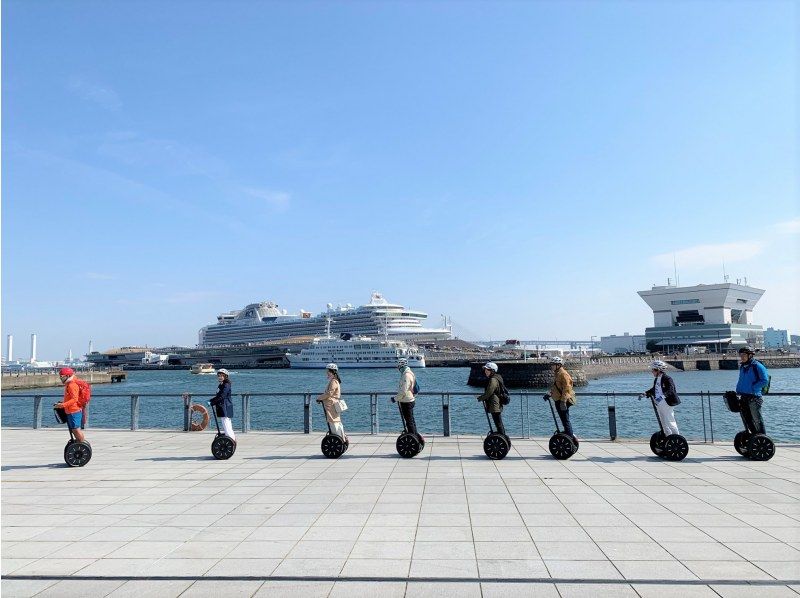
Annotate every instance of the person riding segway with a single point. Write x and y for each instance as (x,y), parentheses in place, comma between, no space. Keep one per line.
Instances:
(224,444)
(496,444)
(563,395)
(410,443)
(667,442)
(753,383)
(562,445)
(335,442)
(71,410)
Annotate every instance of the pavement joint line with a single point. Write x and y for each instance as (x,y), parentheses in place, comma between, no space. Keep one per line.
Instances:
(373,579)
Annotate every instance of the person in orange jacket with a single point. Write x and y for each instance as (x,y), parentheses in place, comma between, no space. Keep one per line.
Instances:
(70,403)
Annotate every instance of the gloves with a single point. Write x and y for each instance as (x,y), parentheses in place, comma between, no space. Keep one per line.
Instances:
(546,397)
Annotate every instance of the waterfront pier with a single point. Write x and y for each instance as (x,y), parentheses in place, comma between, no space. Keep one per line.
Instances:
(50,378)
(154,515)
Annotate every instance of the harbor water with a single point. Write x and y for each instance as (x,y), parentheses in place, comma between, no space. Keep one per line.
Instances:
(635,418)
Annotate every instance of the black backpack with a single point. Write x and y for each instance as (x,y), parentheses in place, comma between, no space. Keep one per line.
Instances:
(502,392)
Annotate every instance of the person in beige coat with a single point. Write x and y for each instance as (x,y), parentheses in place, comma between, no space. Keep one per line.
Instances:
(330,400)
(405,395)
(562,392)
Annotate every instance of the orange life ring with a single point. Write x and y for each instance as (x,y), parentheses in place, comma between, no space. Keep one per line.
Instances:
(195,425)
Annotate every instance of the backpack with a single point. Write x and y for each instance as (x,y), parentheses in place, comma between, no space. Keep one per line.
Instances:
(415,387)
(84,393)
(502,392)
(764,390)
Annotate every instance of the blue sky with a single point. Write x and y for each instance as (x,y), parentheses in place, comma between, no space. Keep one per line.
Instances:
(522,167)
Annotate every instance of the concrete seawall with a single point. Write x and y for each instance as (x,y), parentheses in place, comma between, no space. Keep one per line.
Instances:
(711,362)
(24,380)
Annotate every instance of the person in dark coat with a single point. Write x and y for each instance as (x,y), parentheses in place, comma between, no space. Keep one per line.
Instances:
(223,404)
(491,396)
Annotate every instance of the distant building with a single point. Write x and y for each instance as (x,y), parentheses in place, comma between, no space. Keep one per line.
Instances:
(776,338)
(795,339)
(627,343)
(713,317)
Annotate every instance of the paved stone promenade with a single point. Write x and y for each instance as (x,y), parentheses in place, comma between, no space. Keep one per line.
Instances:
(154,515)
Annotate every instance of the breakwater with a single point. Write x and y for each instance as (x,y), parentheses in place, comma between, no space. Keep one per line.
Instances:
(47,379)
(714,362)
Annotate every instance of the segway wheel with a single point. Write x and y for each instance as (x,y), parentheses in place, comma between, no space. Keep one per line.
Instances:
(408,445)
(496,446)
(332,446)
(760,447)
(77,454)
(657,443)
(740,442)
(561,446)
(421,439)
(675,448)
(508,440)
(223,447)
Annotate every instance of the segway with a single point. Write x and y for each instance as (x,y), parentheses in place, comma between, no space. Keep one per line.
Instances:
(672,447)
(562,445)
(408,445)
(332,445)
(755,446)
(495,445)
(223,446)
(76,453)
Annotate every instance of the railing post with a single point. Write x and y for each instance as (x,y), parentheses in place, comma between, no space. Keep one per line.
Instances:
(37,412)
(245,413)
(374,425)
(134,412)
(710,418)
(612,417)
(187,411)
(307,414)
(703,407)
(446,414)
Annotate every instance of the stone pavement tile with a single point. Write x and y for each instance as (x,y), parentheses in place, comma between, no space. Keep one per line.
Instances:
(518,590)
(368,549)
(292,519)
(310,567)
(380,589)
(574,569)
(96,550)
(443,590)
(601,519)
(517,533)
(550,520)
(445,509)
(306,549)
(444,520)
(118,534)
(225,534)
(173,567)
(245,567)
(784,534)
(341,519)
(276,533)
(202,549)
(656,569)
(581,590)
(684,591)
(294,589)
(168,533)
(743,533)
(663,535)
(118,567)
(498,519)
(700,551)
(747,591)
(656,520)
(506,568)
(634,551)
(443,533)
(563,551)
(81,588)
(558,534)
(376,567)
(144,550)
(33,550)
(784,570)
(733,570)
(444,550)
(50,566)
(209,588)
(444,568)
(261,549)
(763,551)
(506,550)
(24,588)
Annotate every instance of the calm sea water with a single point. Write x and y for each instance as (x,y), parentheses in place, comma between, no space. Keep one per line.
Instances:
(635,419)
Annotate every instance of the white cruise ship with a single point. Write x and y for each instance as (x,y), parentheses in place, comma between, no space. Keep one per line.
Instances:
(259,322)
(357,352)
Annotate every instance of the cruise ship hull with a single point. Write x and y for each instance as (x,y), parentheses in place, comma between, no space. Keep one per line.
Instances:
(296,364)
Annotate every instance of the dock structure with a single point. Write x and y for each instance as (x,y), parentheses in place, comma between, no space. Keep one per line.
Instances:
(153,514)
(50,378)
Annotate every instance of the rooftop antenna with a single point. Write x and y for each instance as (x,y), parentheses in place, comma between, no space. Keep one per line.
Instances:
(675,268)
(724,273)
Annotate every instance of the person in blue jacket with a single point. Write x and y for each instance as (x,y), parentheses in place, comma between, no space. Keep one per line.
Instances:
(223,404)
(753,377)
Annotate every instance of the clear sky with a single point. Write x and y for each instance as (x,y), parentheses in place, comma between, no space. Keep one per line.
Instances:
(523,167)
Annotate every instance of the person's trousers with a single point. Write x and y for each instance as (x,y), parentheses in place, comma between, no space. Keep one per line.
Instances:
(563,413)
(667,416)
(338,429)
(407,411)
(498,423)
(750,408)
(227,427)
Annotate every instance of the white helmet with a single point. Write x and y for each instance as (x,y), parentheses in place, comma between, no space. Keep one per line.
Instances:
(557,360)
(223,371)
(491,366)
(658,365)
(402,362)
(333,367)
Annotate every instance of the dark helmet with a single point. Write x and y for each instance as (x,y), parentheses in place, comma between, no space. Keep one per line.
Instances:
(747,349)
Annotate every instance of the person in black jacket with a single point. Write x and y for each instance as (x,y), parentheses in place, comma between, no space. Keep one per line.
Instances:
(663,391)
(223,404)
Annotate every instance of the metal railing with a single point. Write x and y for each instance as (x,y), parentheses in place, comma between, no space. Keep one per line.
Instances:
(517,414)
